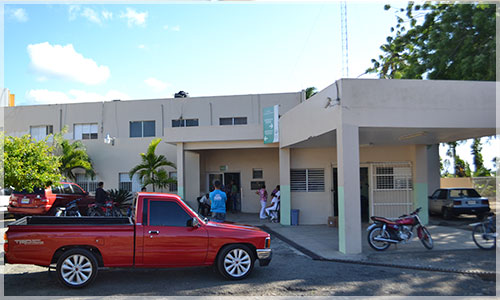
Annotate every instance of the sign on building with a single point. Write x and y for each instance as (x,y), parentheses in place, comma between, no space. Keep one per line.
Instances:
(270,117)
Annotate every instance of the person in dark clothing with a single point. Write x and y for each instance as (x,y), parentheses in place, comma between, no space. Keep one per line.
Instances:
(100,194)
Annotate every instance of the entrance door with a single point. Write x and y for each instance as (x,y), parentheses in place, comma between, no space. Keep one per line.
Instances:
(234,201)
(212,178)
(364,193)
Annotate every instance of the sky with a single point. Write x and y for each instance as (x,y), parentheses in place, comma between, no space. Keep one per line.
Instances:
(68,53)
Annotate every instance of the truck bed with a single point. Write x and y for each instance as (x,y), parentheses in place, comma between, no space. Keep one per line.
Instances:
(43,220)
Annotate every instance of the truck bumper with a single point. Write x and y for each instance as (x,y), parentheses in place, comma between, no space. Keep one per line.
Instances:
(264,256)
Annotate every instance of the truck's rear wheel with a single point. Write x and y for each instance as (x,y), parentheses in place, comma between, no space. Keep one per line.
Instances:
(235,261)
(76,268)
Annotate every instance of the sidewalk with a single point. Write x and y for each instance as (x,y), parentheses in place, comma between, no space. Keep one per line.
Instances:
(454,249)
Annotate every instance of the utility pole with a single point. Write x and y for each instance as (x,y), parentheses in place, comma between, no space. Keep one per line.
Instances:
(345,46)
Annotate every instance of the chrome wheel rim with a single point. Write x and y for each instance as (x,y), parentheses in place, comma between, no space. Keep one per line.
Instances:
(76,269)
(379,233)
(237,262)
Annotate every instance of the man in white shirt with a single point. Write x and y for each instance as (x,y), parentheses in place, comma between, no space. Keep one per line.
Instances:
(271,210)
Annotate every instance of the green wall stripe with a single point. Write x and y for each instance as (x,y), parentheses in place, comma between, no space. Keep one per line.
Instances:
(285,205)
(421,200)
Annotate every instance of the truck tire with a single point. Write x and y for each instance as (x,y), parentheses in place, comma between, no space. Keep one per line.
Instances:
(235,262)
(76,268)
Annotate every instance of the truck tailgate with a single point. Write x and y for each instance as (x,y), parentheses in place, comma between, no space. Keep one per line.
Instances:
(35,240)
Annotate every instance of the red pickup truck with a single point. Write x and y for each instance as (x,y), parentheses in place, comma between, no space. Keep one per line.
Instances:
(163,232)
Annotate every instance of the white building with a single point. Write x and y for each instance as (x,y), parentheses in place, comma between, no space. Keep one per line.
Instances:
(358,148)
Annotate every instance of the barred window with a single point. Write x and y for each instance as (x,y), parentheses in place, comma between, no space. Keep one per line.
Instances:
(172,187)
(233,121)
(393,178)
(86,183)
(307,180)
(127,184)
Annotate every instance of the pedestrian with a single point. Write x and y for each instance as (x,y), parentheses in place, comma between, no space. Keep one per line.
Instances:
(218,200)
(144,189)
(234,196)
(274,202)
(263,201)
(100,194)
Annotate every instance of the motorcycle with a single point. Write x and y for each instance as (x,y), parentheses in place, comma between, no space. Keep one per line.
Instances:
(109,209)
(484,234)
(71,210)
(384,232)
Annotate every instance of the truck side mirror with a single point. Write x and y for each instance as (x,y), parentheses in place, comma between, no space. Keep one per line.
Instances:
(193,223)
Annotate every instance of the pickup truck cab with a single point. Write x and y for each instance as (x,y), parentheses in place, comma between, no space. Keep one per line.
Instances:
(163,232)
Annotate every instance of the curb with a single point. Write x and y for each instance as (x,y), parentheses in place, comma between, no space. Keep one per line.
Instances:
(485,275)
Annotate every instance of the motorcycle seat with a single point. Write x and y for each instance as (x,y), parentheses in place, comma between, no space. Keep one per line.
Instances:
(385,220)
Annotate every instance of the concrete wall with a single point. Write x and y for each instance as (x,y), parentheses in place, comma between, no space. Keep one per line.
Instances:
(463,182)
(316,207)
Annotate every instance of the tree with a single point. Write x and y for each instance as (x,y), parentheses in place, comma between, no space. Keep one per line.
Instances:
(72,156)
(311,91)
(150,169)
(444,41)
(478,161)
(29,164)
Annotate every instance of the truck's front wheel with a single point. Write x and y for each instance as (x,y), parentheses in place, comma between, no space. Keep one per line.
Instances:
(76,268)
(235,261)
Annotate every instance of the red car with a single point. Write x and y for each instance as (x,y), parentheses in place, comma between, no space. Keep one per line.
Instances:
(46,201)
(163,232)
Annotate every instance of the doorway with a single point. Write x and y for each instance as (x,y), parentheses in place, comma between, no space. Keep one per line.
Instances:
(364,191)
(234,194)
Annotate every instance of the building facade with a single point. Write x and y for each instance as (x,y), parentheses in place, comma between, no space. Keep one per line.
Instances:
(357,148)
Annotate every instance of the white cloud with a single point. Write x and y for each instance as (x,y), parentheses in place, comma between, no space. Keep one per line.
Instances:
(141,46)
(165,27)
(91,15)
(156,84)
(64,62)
(176,28)
(135,18)
(19,15)
(73,12)
(107,15)
(43,96)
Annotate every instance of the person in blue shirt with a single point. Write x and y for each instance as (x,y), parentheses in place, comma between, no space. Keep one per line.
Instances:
(218,199)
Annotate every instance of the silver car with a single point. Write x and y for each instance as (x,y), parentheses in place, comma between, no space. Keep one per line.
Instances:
(454,201)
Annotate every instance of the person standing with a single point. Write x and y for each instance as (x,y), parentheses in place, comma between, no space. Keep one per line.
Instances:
(234,197)
(263,200)
(274,202)
(218,200)
(100,194)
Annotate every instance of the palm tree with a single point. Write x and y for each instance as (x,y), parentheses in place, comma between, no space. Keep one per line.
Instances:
(311,91)
(73,156)
(150,169)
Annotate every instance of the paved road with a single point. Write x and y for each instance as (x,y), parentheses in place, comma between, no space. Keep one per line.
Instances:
(289,274)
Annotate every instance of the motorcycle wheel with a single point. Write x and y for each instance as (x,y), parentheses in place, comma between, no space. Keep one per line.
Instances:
(484,237)
(426,238)
(116,212)
(74,213)
(377,245)
(93,213)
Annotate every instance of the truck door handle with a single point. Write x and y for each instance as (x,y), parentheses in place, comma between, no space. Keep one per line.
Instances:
(154,231)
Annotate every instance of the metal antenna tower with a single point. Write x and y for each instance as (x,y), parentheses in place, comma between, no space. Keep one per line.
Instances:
(345,46)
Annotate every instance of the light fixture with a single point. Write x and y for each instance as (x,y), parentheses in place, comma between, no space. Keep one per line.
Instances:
(411,136)
(330,102)
(109,140)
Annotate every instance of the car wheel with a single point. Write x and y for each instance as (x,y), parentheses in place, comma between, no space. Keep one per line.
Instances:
(447,215)
(76,268)
(235,262)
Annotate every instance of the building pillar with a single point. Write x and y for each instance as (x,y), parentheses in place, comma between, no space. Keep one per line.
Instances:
(348,189)
(420,190)
(433,169)
(285,195)
(180,170)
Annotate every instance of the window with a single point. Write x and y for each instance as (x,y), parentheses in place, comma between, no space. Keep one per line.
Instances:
(233,121)
(127,184)
(87,183)
(307,180)
(167,213)
(142,128)
(392,178)
(172,187)
(41,132)
(185,123)
(257,174)
(85,131)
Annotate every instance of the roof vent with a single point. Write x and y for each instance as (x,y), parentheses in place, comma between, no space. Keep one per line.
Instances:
(181,94)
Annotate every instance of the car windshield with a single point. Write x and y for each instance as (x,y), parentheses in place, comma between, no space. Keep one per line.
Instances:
(461,193)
